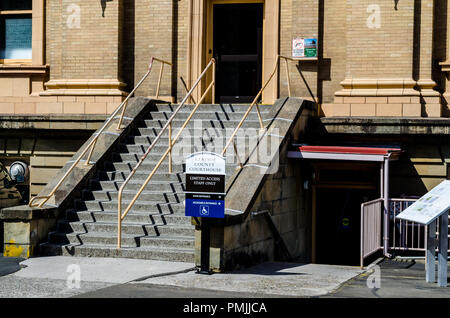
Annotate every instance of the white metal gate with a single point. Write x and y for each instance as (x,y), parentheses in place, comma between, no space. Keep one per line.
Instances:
(404,236)
(371,228)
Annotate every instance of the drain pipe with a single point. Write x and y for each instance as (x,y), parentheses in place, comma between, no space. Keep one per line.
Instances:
(189,47)
(386,207)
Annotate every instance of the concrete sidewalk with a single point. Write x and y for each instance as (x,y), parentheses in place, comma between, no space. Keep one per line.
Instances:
(55,276)
(114,277)
(269,279)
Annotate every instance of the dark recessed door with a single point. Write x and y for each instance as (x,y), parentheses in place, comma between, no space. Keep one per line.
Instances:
(237,48)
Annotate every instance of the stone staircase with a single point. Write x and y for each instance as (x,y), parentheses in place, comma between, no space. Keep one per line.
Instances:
(156,227)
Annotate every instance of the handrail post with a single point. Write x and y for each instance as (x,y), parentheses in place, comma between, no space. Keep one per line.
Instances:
(170,147)
(159,80)
(261,124)
(214,84)
(119,124)
(237,154)
(90,153)
(119,220)
(288,77)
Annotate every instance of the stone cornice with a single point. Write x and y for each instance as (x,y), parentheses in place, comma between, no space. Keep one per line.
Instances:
(378,87)
(84,87)
(12,69)
(445,66)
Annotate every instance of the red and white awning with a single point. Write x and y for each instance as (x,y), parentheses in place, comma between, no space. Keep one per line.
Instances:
(378,154)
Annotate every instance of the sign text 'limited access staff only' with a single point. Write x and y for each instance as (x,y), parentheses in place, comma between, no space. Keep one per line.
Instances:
(205,185)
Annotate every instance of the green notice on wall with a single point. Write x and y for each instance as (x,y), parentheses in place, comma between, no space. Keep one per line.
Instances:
(310,48)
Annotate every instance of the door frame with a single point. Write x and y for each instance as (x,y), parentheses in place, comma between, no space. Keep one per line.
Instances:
(209,47)
(200,41)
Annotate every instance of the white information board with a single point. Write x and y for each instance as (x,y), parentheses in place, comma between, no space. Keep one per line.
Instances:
(430,206)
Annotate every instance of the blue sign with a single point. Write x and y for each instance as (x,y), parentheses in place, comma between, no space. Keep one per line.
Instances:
(199,206)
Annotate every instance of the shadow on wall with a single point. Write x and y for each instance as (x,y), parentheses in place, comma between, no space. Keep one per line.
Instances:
(103,2)
(1,238)
(129,44)
(418,170)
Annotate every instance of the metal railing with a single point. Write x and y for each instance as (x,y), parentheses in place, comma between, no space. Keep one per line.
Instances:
(255,101)
(405,235)
(168,153)
(371,228)
(91,146)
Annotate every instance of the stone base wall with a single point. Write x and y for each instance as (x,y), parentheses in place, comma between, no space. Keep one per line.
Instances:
(384,106)
(37,105)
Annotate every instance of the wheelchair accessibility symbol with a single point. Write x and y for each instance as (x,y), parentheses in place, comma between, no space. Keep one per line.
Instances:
(204,210)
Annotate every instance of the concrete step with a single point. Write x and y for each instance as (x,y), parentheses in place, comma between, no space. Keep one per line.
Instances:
(224,108)
(146,195)
(168,187)
(127,228)
(205,115)
(104,239)
(159,176)
(183,149)
(155,126)
(206,138)
(162,253)
(132,217)
(140,205)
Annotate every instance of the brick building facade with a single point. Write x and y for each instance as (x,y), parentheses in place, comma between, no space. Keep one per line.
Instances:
(374,59)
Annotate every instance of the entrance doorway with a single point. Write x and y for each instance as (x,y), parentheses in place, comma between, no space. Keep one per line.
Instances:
(237,48)
(339,190)
(338,224)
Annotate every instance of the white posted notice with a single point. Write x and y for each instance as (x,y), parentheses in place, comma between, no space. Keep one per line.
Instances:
(430,206)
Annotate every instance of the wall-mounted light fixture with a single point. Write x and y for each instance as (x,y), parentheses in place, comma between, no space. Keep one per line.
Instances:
(18,171)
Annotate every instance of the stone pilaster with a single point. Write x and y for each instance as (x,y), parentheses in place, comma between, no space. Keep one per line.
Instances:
(445,66)
(430,98)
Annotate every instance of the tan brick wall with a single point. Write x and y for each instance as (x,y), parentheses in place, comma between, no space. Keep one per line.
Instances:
(298,19)
(88,50)
(384,51)
(153,37)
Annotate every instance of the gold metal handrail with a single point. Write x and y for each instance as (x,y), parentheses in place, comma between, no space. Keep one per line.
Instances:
(255,102)
(91,145)
(168,152)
